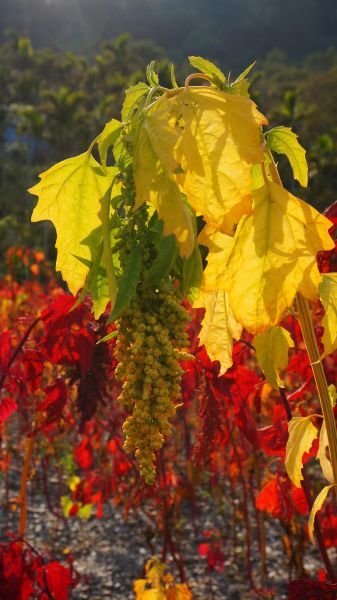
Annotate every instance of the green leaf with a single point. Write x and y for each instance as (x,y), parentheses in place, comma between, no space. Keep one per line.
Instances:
(66,504)
(166,255)
(128,281)
(69,194)
(192,274)
(302,433)
(173,76)
(328,296)
(244,73)
(121,154)
(85,511)
(284,141)
(108,337)
(151,74)
(133,96)
(96,283)
(272,349)
(208,68)
(316,507)
(107,138)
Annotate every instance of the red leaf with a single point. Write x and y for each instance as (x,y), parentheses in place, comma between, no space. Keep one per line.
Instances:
(68,339)
(54,403)
(306,589)
(300,502)
(273,439)
(212,422)
(59,580)
(83,454)
(246,423)
(274,498)
(203,549)
(5,350)
(7,407)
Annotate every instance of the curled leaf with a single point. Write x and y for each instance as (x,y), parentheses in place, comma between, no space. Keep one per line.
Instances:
(302,433)
(328,296)
(319,501)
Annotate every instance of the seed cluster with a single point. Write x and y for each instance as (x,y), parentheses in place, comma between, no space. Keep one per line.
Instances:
(149,348)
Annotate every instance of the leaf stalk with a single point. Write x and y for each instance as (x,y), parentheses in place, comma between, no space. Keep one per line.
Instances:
(107,254)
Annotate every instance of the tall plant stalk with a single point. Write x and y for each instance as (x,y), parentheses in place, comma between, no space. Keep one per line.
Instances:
(304,317)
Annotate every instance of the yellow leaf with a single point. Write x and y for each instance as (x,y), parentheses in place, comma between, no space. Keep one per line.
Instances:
(328,296)
(332,394)
(301,435)
(219,245)
(323,448)
(154,179)
(179,591)
(66,504)
(107,138)
(326,465)
(73,482)
(159,584)
(206,141)
(316,507)
(218,143)
(69,196)
(273,257)
(218,327)
(139,588)
(272,353)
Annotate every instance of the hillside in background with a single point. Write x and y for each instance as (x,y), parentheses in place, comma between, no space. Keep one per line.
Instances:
(232,32)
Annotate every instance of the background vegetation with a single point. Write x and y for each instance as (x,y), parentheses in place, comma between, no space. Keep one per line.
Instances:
(54,100)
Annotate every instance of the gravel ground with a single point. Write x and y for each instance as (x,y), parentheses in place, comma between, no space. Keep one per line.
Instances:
(110,553)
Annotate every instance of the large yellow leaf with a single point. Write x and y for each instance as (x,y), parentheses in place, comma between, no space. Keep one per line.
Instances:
(69,196)
(218,327)
(273,257)
(301,435)
(272,348)
(207,141)
(316,507)
(328,295)
(219,245)
(155,182)
(219,142)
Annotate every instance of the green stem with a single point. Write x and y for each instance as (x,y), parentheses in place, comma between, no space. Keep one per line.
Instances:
(107,254)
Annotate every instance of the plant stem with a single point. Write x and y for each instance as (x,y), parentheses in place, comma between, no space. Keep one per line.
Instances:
(306,489)
(320,379)
(304,317)
(23,486)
